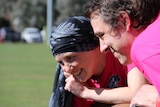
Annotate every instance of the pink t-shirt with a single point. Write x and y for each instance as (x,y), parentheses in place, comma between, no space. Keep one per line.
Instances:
(115,75)
(145,53)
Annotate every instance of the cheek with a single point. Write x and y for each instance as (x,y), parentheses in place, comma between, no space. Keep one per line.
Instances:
(122,46)
(123,42)
(87,64)
(107,41)
(117,41)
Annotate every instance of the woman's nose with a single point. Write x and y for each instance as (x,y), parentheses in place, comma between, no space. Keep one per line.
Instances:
(68,68)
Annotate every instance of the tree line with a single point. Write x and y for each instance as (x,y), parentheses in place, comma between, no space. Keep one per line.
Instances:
(19,14)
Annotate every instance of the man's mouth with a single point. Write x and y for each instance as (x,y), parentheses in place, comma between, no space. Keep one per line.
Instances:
(107,50)
(122,58)
(112,50)
(115,53)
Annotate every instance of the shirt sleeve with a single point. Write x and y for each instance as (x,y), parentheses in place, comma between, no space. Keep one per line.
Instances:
(151,70)
(130,66)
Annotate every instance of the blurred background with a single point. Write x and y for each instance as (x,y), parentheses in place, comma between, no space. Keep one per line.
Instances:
(16,15)
(27,66)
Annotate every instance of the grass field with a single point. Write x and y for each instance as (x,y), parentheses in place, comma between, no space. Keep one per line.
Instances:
(26,75)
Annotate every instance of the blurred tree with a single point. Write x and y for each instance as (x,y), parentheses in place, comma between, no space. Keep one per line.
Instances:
(24,13)
(27,13)
(67,8)
(4,22)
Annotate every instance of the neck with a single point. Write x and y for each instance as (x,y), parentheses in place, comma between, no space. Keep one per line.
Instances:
(101,61)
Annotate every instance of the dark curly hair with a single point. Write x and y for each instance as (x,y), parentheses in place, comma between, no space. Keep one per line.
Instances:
(141,12)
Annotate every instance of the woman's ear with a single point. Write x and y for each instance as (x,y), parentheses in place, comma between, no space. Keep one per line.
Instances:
(124,19)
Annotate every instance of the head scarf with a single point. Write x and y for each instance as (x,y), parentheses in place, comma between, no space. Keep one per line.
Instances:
(74,34)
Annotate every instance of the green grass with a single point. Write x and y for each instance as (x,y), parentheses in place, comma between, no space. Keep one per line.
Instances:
(26,75)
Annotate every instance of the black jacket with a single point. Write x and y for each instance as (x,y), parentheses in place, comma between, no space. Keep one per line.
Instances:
(60,97)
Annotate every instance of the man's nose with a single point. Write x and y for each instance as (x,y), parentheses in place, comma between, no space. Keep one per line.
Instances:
(103,47)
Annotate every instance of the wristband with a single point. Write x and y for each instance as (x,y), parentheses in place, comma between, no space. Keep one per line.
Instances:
(158,101)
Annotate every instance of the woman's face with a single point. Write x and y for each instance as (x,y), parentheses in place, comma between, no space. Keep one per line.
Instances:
(80,64)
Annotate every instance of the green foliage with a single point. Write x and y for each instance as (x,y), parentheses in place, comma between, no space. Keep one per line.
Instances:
(26,75)
(24,13)
(67,8)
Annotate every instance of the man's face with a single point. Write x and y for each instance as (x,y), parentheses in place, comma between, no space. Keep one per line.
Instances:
(80,64)
(118,40)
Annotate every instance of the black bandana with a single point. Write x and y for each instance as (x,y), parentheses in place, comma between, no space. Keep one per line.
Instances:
(75,34)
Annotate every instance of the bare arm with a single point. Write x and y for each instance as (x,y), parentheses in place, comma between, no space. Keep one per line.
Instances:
(146,96)
(117,95)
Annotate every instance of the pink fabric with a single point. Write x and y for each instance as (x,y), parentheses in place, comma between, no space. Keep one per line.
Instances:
(113,68)
(131,66)
(145,53)
(158,101)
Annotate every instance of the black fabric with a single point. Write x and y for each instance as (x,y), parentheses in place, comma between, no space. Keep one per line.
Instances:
(74,34)
(60,97)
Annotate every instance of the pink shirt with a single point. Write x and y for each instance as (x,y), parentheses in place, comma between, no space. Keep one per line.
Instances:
(145,53)
(114,75)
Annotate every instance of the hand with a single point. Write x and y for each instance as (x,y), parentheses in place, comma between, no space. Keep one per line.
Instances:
(74,86)
(145,97)
(66,74)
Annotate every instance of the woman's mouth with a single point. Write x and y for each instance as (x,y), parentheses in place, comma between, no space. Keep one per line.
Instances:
(78,75)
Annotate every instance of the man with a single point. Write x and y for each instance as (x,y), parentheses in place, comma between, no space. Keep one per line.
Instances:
(124,27)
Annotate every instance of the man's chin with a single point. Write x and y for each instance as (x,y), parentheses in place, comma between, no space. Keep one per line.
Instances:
(123,59)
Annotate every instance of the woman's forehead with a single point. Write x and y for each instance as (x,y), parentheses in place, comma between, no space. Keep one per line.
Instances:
(70,54)
(66,54)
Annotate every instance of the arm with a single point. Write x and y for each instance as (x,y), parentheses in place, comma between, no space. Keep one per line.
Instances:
(116,95)
(146,96)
